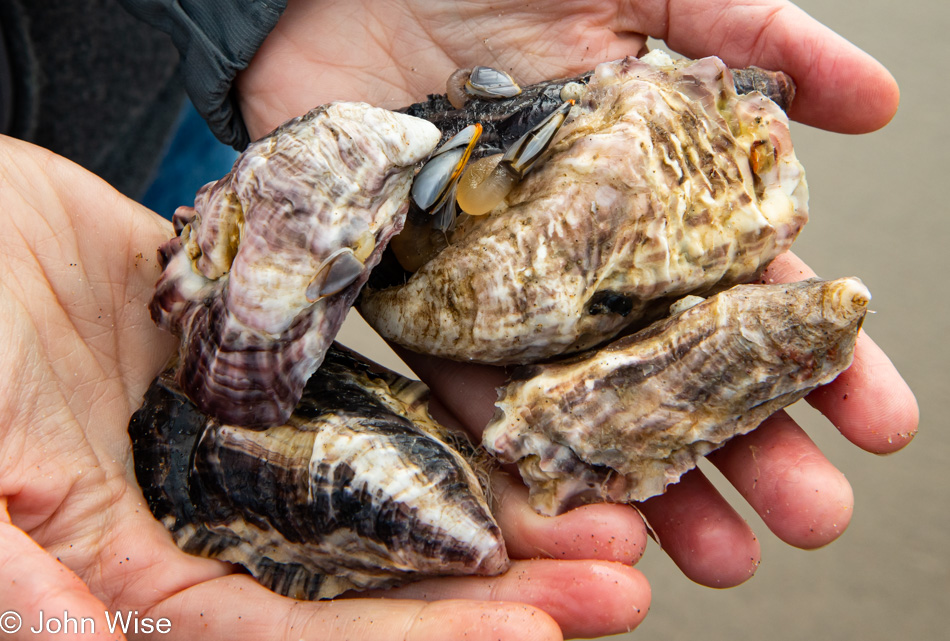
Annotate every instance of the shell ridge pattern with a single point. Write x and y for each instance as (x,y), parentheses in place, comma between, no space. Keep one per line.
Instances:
(654,154)
(356,491)
(336,178)
(650,404)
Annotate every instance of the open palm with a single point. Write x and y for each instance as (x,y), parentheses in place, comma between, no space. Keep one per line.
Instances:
(79,349)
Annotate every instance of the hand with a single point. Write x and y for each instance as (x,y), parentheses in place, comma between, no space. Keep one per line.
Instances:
(797,492)
(78,350)
(393,54)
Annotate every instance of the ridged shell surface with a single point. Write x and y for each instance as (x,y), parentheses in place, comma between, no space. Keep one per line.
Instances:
(663,182)
(622,423)
(239,284)
(359,489)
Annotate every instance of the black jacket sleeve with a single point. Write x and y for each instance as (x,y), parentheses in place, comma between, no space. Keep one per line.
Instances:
(216,39)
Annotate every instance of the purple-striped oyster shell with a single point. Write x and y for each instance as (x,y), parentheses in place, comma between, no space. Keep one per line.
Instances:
(315,201)
(664,182)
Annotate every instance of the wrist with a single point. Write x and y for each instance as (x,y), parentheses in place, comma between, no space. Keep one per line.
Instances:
(267,91)
(216,39)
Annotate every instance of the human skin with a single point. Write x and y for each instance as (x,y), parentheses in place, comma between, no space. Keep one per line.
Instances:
(393,54)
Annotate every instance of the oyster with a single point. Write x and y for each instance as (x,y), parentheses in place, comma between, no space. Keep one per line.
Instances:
(622,423)
(664,182)
(359,489)
(272,256)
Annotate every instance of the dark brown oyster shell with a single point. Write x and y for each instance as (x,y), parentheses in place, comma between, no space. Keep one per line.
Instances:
(359,489)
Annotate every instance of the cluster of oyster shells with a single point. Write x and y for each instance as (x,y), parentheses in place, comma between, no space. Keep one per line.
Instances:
(663,182)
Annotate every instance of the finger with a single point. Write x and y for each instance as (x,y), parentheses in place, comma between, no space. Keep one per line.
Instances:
(709,542)
(869,403)
(40,598)
(585,598)
(839,87)
(603,531)
(234,608)
(467,391)
(783,475)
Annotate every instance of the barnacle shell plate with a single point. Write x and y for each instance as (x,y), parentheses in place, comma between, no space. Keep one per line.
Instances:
(665,182)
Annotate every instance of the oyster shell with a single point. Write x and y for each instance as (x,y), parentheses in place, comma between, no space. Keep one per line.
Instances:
(272,256)
(359,489)
(622,423)
(664,182)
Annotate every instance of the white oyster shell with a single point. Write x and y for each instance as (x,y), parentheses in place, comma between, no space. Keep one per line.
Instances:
(622,423)
(664,182)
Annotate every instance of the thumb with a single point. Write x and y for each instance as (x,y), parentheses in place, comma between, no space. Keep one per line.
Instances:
(40,598)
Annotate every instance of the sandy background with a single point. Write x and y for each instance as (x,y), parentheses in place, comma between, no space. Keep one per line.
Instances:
(878,211)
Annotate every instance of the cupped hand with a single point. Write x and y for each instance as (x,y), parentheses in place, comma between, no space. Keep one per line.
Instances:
(392,54)
(77,540)
(802,498)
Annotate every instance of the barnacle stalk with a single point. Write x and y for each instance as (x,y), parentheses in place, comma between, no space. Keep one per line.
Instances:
(489,181)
